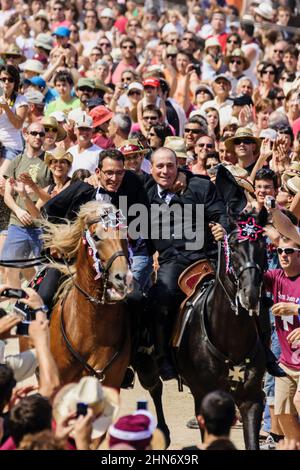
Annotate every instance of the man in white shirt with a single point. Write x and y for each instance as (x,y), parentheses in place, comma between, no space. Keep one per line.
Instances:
(85,153)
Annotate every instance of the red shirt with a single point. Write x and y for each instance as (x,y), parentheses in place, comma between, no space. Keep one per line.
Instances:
(222,38)
(285,289)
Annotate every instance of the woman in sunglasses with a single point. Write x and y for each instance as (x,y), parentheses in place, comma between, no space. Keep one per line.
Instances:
(233,42)
(13,112)
(266,77)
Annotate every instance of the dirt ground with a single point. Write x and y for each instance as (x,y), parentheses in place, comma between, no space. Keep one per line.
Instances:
(178,408)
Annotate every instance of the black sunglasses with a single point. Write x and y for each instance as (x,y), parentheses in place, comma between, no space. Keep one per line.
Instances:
(193,131)
(35,134)
(245,140)
(287,251)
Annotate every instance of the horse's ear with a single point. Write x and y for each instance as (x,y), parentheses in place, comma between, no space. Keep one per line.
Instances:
(262,217)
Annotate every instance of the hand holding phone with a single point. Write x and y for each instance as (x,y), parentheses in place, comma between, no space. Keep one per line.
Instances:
(14,293)
(81,409)
(270,202)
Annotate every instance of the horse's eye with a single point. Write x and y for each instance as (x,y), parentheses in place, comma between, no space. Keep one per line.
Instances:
(96,238)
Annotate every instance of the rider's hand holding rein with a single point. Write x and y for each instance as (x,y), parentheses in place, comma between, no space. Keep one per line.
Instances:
(218,231)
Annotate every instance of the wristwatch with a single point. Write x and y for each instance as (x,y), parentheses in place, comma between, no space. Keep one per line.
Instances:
(42,308)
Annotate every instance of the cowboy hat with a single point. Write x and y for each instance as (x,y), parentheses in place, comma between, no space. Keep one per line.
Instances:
(240,133)
(293,170)
(293,184)
(241,177)
(177,145)
(13,50)
(52,122)
(132,146)
(104,401)
(58,154)
(240,54)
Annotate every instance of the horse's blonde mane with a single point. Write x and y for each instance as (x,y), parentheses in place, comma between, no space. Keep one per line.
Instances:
(66,237)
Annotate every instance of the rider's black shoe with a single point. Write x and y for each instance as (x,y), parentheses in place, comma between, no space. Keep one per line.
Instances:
(128,380)
(272,366)
(167,370)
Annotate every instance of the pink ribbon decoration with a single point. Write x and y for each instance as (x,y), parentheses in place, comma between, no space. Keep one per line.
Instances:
(249,230)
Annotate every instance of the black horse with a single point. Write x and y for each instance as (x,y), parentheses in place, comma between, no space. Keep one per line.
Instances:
(220,348)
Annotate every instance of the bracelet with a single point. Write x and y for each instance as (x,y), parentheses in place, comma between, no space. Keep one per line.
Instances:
(42,308)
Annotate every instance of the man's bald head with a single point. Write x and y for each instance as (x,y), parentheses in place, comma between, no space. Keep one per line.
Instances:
(164,167)
(162,152)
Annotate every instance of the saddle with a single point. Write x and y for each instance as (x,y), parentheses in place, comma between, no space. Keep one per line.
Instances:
(189,282)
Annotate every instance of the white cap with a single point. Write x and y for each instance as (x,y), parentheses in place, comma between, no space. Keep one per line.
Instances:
(107,13)
(84,121)
(268,134)
(135,86)
(32,65)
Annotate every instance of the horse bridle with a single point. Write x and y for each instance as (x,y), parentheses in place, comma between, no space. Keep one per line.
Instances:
(104,269)
(99,374)
(237,275)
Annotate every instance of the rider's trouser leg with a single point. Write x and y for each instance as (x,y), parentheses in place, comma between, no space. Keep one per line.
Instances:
(49,286)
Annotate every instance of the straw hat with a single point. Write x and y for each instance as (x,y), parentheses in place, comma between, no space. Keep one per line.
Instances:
(212,42)
(265,11)
(242,132)
(32,65)
(241,177)
(103,400)
(293,184)
(52,122)
(240,54)
(14,51)
(291,172)
(58,154)
(176,144)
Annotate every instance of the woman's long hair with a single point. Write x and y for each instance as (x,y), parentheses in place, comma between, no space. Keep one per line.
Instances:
(14,73)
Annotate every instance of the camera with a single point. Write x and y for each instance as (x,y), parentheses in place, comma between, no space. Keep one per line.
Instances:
(270,202)
(23,328)
(15,293)
(81,409)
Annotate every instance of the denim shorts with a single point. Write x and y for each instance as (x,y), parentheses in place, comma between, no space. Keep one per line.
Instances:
(21,242)
(9,153)
(141,269)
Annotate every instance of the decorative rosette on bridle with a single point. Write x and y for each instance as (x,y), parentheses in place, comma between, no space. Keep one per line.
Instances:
(249,230)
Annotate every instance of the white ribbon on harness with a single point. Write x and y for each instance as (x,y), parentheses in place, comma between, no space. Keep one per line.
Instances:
(97,263)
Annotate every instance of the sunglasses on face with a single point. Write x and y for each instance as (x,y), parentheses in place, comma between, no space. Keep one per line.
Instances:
(127,47)
(35,134)
(193,131)
(280,98)
(150,118)
(234,61)
(232,42)
(287,251)
(208,146)
(126,79)
(102,44)
(268,72)
(50,129)
(243,141)
(7,80)
(134,93)
(278,51)
(56,162)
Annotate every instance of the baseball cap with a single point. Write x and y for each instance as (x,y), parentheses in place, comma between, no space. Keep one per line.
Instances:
(84,121)
(135,86)
(88,82)
(62,31)
(222,75)
(153,82)
(107,13)
(37,81)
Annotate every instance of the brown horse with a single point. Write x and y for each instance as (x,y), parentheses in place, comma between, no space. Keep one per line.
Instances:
(89,328)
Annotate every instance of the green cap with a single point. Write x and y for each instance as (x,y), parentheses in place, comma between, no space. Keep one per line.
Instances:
(86,82)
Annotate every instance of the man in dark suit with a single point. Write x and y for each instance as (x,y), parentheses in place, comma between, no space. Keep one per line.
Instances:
(196,211)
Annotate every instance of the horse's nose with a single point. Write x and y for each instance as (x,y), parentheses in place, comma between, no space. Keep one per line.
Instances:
(120,278)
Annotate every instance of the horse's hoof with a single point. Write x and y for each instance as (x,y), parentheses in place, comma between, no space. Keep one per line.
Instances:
(192,423)
(128,380)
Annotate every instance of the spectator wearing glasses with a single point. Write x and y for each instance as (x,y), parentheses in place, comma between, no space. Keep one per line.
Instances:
(284,285)
(233,42)
(267,75)
(192,131)
(54,133)
(203,147)
(151,97)
(188,42)
(150,117)
(58,17)
(277,98)
(237,63)
(129,60)
(105,45)
(23,234)
(13,112)
(245,146)
(85,90)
